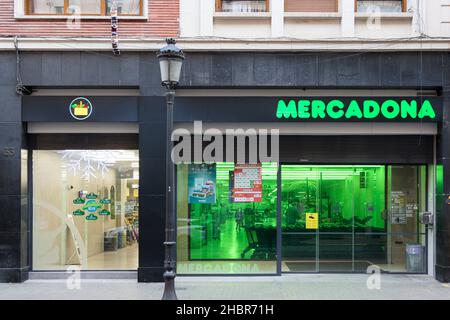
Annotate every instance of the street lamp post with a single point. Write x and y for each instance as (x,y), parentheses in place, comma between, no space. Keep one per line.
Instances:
(170,62)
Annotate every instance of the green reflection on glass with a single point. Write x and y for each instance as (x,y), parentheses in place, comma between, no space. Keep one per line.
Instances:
(227,230)
(346,197)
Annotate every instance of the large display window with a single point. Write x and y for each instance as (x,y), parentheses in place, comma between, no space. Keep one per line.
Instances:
(347,218)
(260,218)
(85,209)
(227,218)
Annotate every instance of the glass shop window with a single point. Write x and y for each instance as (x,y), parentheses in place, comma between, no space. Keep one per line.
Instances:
(345,218)
(227,218)
(242,5)
(381,6)
(83,7)
(85,209)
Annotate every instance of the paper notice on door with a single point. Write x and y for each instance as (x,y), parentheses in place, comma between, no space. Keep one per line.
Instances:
(312,221)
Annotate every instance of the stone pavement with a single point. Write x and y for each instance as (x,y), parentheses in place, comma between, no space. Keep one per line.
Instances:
(317,286)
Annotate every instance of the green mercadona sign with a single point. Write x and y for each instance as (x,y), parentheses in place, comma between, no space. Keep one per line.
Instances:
(388,109)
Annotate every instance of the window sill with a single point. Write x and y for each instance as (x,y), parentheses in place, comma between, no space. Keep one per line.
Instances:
(385,15)
(313,15)
(65,17)
(242,15)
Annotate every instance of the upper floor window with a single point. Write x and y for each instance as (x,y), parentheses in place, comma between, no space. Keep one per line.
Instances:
(311,5)
(381,5)
(242,5)
(83,7)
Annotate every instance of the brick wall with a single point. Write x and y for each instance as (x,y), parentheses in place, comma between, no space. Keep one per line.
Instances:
(163,21)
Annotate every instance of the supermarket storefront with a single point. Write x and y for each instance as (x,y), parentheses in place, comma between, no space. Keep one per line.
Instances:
(353,175)
(320,184)
(323,184)
(361,153)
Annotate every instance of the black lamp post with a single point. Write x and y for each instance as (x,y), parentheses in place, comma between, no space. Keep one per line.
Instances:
(170,62)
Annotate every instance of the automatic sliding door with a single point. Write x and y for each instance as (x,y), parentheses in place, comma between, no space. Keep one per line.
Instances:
(336,207)
(369,245)
(333,218)
(300,200)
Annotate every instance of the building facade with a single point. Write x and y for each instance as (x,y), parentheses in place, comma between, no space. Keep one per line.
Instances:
(354,94)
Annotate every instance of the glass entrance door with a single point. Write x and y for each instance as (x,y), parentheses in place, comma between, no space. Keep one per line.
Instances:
(345,218)
(300,194)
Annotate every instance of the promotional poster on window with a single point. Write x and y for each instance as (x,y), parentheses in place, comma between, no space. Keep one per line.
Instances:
(202,183)
(246,183)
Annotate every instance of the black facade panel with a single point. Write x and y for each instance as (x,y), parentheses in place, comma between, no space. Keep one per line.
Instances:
(264,109)
(442,207)
(99,141)
(333,149)
(152,189)
(56,109)
(357,149)
(313,70)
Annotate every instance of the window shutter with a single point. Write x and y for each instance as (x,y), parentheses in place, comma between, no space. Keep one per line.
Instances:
(311,5)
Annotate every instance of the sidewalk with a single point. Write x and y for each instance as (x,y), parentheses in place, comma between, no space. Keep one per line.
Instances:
(318,286)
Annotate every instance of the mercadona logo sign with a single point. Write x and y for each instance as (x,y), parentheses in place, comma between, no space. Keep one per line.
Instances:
(80,108)
(354,109)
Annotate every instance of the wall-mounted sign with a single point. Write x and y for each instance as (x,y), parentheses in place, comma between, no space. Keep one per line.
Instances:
(80,108)
(103,108)
(388,109)
(312,221)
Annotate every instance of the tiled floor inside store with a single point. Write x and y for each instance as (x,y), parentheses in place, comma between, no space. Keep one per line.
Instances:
(122,259)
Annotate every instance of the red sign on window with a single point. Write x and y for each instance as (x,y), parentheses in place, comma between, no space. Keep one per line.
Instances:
(247,183)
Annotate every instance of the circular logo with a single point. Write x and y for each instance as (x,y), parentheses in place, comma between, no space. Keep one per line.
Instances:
(80,108)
